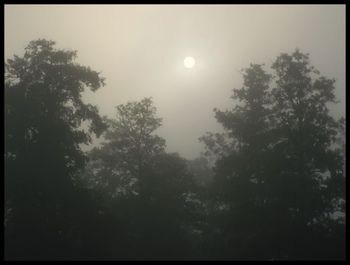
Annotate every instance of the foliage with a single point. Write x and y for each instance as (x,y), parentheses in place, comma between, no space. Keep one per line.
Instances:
(272,186)
(279,179)
(141,182)
(43,116)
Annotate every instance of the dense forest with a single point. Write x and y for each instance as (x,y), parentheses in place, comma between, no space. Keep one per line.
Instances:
(270,187)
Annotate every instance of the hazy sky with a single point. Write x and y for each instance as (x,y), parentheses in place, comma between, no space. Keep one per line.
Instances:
(140,50)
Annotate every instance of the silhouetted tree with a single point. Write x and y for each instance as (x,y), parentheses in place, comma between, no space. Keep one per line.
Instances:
(276,189)
(130,145)
(44,112)
(145,189)
(309,163)
(278,179)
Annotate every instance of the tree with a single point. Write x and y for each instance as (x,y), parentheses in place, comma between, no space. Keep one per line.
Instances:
(130,145)
(44,112)
(312,166)
(145,189)
(238,185)
(273,180)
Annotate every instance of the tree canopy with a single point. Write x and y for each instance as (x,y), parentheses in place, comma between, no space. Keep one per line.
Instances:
(278,176)
(270,187)
(44,112)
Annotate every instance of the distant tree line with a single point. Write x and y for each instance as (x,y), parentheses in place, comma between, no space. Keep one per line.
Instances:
(271,187)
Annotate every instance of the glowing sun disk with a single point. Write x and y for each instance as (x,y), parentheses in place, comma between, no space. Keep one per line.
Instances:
(189,62)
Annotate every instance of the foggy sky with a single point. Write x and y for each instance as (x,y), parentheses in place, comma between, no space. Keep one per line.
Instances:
(140,51)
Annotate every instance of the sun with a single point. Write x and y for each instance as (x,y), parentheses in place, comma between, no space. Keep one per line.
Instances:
(189,62)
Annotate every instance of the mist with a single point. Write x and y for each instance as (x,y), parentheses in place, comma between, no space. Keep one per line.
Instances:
(174,132)
(140,51)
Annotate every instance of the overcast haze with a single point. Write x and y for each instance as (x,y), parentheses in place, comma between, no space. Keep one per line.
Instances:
(140,51)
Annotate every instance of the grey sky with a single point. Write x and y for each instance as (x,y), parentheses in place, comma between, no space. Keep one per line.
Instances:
(140,50)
